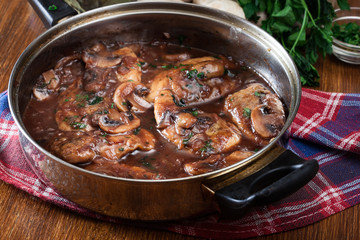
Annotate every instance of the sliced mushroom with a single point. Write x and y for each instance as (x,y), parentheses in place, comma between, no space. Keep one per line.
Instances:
(118,122)
(41,93)
(46,87)
(50,79)
(99,56)
(131,96)
(102,57)
(268,119)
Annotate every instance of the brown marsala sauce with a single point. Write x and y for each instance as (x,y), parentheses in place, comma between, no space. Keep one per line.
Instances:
(165,160)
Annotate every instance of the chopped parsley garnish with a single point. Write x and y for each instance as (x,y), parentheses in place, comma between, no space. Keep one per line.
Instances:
(167,66)
(43,85)
(247,112)
(95,100)
(136,131)
(195,113)
(185,141)
(70,117)
(80,97)
(348,33)
(148,165)
(121,149)
(90,99)
(207,147)
(78,125)
(144,161)
(192,73)
(52,7)
(201,75)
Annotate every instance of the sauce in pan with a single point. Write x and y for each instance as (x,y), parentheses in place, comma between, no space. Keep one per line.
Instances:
(153,111)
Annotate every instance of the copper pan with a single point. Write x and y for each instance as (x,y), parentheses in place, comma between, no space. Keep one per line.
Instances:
(204,28)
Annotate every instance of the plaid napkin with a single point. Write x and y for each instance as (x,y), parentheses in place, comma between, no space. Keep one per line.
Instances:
(326,128)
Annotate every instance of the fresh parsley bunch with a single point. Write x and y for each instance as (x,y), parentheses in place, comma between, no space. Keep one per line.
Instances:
(303,27)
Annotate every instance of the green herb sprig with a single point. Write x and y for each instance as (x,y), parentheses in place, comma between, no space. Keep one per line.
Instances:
(52,7)
(303,27)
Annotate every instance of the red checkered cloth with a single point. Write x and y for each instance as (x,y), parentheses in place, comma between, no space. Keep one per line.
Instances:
(326,128)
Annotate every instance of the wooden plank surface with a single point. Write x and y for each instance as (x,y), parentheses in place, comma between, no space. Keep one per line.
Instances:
(27,217)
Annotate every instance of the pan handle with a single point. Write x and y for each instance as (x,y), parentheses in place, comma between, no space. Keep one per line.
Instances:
(284,176)
(52,11)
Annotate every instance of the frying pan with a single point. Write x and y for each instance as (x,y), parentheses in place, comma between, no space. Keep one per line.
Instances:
(269,175)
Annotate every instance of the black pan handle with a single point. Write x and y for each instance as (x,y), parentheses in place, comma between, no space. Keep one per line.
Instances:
(51,11)
(284,176)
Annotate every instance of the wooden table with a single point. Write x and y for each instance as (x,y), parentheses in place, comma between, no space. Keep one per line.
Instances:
(26,217)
